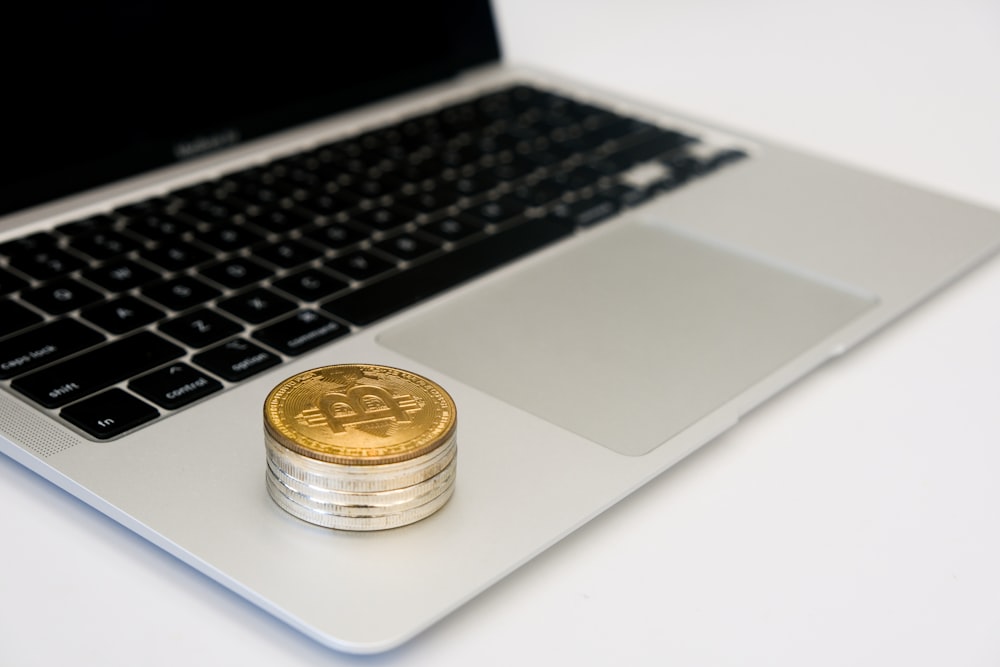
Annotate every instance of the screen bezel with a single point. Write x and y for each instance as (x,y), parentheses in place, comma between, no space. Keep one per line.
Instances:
(469,40)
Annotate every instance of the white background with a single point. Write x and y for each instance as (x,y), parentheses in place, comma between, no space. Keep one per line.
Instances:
(853,520)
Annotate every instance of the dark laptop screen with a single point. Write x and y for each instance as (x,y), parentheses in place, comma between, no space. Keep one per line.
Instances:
(97,91)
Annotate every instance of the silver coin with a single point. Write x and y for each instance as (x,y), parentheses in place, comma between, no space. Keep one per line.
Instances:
(358,523)
(358,504)
(361,478)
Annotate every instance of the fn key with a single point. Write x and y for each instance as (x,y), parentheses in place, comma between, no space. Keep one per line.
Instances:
(109,414)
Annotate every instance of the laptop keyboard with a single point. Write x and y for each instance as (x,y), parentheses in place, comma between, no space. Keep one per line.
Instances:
(114,321)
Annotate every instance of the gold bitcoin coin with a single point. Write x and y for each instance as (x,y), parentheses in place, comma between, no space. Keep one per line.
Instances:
(359,414)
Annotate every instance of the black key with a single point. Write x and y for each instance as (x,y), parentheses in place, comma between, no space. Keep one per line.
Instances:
(121,275)
(548,157)
(10,283)
(511,169)
(576,137)
(175,386)
(581,144)
(626,195)
(684,166)
(367,304)
(421,171)
(470,186)
(33,349)
(336,235)
(61,296)
(91,225)
(257,305)
(286,254)
(577,178)
(159,227)
(66,381)
(302,178)
(586,212)
(310,284)
(122,315)
(200,328)
(103,244)
(457,156)
(326,204)
(610,166)
(495,212)
(236,272)
(452,229)
(176,255)
(354,163)
(236,360)
(213,210)
(384,218)
(408,246)
(724,157)
(648,145)
(28,245)
(301,332)
(373,188)
(47,263)
(428,202)
(14,317)
(540,193)
(109,414)
(280,220)
(259,193)
(360,265)
(618,127)
(229,237)
(181,293)
(491,143)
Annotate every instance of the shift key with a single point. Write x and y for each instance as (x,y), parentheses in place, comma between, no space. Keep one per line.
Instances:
(62,383)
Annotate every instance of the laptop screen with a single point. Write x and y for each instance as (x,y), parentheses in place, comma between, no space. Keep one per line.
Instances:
(99,91)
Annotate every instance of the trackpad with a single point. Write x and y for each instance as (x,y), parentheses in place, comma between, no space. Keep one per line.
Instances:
(629,339)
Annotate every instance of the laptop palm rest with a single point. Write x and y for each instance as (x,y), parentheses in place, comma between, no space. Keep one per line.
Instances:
(631,339)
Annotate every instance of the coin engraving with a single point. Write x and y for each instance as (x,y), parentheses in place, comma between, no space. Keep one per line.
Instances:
(359,414)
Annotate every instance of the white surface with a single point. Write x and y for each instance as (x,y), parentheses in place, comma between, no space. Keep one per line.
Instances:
(854,520)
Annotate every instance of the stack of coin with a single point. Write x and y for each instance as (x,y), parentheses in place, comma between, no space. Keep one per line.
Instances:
(360,446)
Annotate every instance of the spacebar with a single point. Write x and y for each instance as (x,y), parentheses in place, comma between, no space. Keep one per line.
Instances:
(385,297)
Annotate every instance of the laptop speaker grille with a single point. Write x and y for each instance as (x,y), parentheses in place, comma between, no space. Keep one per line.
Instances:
(32,430)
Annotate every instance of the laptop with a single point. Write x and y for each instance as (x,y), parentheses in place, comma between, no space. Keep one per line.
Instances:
(602,287)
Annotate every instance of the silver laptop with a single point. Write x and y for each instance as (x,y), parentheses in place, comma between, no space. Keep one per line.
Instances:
(602,287)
